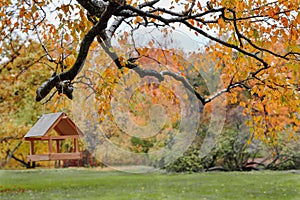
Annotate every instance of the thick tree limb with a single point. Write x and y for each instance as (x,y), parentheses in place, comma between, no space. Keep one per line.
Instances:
(92,8)
(11,152)
(19,160)
(5,139)
(52,82)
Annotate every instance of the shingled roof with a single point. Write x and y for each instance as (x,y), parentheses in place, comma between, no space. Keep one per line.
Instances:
(59,122)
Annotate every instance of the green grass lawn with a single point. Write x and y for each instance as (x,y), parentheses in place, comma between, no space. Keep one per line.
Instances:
(93,184)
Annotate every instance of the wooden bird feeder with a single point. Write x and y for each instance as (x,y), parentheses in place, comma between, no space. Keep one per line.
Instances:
(41,131)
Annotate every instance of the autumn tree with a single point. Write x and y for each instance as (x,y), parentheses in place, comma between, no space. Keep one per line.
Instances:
(19,76)
(254,46)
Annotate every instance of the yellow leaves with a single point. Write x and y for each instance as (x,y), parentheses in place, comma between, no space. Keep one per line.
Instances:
(181,68)
(243,104)
(143,51)
(22,12)
(16,24)
(240,6)
(138,19)
(2,14)
(175,118)
(298,18)
(60,51)
(257,119)
(271,113)
(81,13)
(273,38)
(66,37)
(221,23)
(34,8)
(65,8)
(219,54)
(60,16)
(69,61)
(294,34)
(295,128)
(123,61)
(52,28)
(186,7)
(233,98)
(273,12)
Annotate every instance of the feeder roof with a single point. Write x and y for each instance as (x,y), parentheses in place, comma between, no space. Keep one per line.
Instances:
(60,122)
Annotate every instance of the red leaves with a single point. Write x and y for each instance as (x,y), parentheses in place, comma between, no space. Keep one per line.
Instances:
(284,21)
(199,6)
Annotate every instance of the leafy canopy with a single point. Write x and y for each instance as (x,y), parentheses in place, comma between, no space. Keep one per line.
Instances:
(254,46)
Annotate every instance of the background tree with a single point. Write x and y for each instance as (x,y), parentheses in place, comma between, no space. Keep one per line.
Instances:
(254,44)
(18,78)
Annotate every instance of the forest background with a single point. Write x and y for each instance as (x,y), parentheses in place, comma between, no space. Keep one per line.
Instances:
(231,103)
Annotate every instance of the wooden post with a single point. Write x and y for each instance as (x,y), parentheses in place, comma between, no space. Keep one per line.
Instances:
(57,146)
(50,145)
(57,151)
(31,147)
(31,165)
(76,144)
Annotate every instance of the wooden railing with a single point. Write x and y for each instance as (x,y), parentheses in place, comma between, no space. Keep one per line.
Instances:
(54,156)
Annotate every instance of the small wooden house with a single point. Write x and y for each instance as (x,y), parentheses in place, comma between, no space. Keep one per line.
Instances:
(43,131)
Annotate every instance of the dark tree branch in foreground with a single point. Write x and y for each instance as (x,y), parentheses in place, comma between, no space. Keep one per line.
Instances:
(118,11)
(52,82)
